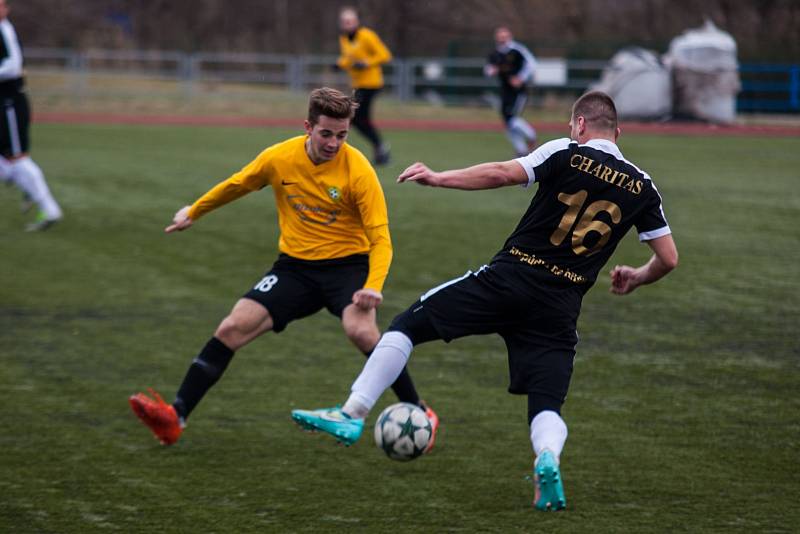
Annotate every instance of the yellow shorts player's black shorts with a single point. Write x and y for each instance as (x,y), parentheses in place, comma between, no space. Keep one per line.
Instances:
(294,288)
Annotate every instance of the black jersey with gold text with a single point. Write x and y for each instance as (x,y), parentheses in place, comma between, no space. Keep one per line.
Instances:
(513,59)
(589,196)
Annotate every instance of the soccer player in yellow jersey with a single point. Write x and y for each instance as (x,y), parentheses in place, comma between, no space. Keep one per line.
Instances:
(362,55)
(335,252)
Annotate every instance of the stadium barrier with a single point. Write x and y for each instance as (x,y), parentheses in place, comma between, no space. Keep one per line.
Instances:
(770,88)
(765,87)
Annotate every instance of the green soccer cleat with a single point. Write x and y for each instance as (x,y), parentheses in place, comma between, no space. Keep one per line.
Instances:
(41,223)
(549,490)
(332,421)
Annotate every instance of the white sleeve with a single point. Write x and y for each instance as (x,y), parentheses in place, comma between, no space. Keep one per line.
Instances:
(539,156)
(652,223)
(11,65)
(526,72)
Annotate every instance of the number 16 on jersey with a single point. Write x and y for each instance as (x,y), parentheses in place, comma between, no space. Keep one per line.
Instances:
(586,224)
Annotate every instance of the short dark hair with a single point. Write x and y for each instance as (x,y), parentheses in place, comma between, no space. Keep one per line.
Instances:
(331,103)
(597,109)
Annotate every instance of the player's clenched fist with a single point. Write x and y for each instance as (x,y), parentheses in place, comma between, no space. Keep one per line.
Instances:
(623,280)
(367,299)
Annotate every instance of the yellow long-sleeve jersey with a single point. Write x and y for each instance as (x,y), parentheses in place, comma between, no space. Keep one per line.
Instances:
(366,49)
(326,211)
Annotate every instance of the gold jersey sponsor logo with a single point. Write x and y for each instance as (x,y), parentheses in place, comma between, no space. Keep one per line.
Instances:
(313,214)
(533,260)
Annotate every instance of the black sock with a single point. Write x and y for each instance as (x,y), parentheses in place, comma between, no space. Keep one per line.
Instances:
(404,388)
(203,373)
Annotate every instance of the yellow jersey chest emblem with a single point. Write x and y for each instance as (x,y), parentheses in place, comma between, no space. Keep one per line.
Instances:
(334,193)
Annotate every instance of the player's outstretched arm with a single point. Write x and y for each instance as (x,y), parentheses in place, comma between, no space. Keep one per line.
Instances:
(483,176)
(625,279)
(181,221)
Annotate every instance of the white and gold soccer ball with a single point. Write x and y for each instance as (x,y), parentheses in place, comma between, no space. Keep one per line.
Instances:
(403,431)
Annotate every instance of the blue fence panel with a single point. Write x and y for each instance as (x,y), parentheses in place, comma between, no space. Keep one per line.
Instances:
(769,87)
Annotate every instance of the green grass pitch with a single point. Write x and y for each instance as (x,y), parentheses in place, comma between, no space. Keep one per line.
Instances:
(683,409)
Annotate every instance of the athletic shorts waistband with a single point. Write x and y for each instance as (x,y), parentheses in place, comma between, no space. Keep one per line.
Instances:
(353,259)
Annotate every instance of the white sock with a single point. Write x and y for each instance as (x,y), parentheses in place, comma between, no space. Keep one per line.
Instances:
(518,140)
(30,178)
(548,431)
(381,370)
(521,133)
(5,170)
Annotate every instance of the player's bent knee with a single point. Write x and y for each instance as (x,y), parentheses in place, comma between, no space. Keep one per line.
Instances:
(236,331)
(228,331)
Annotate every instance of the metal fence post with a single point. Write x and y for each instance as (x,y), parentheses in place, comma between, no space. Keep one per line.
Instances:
(397,78)
(297,74)
(81,80)
(188,67)
(401,79)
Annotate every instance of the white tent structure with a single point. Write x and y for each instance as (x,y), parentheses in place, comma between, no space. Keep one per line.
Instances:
(705,74)
(639,84)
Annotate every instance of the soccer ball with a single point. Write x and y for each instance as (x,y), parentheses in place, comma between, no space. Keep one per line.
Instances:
(402,431)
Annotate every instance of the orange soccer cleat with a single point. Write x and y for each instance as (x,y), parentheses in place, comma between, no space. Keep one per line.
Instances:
(434,419)
(158,416)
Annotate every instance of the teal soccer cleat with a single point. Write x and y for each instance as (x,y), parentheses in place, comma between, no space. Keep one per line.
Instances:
(332,421)
(549,490)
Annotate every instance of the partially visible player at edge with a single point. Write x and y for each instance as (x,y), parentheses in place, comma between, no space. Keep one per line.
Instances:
(513,64)
(589,196)
(335,252)
(362,55)
(16,165)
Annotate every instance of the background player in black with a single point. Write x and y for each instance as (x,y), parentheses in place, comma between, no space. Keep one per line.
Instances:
(15,164)
(513,64)
(589,196)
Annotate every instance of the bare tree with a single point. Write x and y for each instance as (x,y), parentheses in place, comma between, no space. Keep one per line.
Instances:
(766,30)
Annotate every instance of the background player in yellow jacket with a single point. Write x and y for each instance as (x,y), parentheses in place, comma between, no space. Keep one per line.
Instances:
(335,252)
(362,56)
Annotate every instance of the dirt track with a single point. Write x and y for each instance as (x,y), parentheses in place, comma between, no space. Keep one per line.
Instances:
(669,128)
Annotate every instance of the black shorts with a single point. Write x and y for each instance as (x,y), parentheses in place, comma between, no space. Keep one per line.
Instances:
(14,125)
(540,335)
(512,101)
(294,288)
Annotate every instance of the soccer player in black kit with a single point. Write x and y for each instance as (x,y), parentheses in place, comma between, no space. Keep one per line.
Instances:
(513,64)
(16,165)
(589,196)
